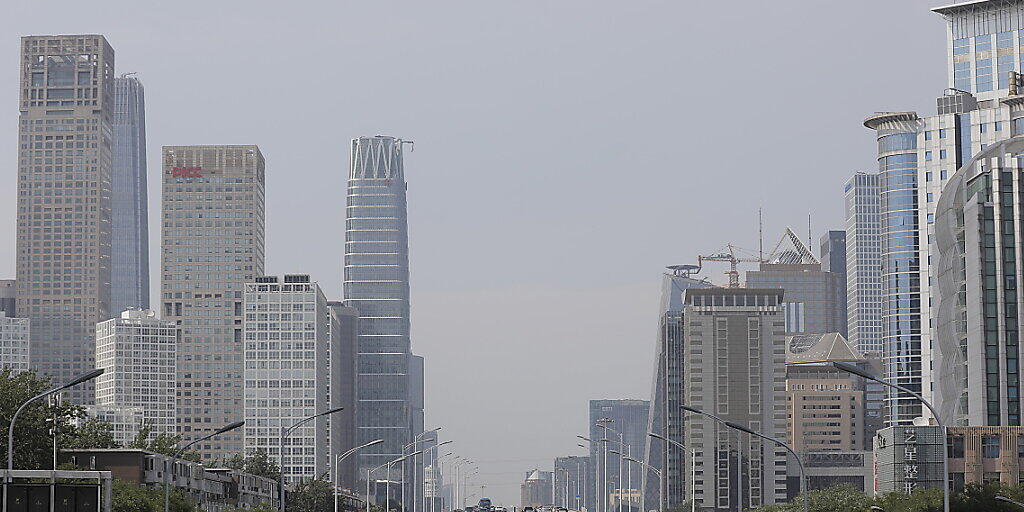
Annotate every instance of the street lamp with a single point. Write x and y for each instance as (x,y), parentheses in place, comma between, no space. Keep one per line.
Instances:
(656,472)
(433,465)
(414,468)
(800,463)
(387,484)
(876,509)
(849,368)
(174,459)
(337,469)
(10,430)
(693,472)
(284,435)
(1008,500)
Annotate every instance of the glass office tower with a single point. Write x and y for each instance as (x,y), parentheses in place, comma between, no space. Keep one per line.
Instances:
(129,276)
(377,285)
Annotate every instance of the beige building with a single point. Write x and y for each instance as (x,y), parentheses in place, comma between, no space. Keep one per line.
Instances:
(64,199)
(986,454)
(212,223)
(825,406)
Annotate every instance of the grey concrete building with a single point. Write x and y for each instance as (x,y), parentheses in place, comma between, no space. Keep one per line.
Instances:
(129,199)
(864,262)
(536,491)
(138,353)
(287,344)
(833,259)
(376,274)
(64,199)
(212,244)
(734,356)
(666,418)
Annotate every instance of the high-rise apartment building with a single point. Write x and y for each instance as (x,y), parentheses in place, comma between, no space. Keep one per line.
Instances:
(8,299)
(14,343)
(64,199)
(287,344)
(138,352)
(733,358)
(342,390)
(864,262)
(619,425)
(666,418)
(376,283)
(213,243)
(129,286)
(814,304)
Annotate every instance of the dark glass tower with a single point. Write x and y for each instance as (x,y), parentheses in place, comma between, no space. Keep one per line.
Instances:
(129,276)
(377,285)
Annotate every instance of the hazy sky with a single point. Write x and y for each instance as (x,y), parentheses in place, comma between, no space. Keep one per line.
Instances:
(566,151)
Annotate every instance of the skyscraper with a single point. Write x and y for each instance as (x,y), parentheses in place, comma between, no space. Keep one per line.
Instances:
(213,243)
(64,199)
(344,331)
(377,285)
(130,219)
(625,423)
(734,367)
(833,259)
(287,341)
(137,351)
(666,418)
(864,262)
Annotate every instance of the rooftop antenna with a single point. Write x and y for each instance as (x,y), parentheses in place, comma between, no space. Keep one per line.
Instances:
(760,235)
(809,243)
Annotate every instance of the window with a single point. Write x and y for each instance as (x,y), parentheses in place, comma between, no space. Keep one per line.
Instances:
(928,176)
(928,135)
(955,447)
(942,133)
(942,153)
(998,126)
(927,155)
(981,128)
(990,447)
(942,174)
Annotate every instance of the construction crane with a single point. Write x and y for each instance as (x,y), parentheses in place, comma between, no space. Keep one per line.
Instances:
(728,254)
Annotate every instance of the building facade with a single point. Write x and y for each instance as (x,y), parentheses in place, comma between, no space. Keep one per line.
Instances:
(864,262)
(129,285)
(978,300)
(138,353)
(535,491)
(344,326)
(619,425)
(64,200)
(833,260)
(15,347)
(212,244)
(825,405)
(570,480)
(8,299)
(734,355)
(376,273)
(287,343)
(666,418)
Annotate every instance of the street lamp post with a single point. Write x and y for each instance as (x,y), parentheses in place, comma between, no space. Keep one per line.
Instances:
(739,454)
(693,472)
(415,467)
(440,503)
(433,465)
(849,368)
(368,473)
(656,472)
(169,472)
(284,435)
(596,473)
(337,470)
(800,463)
(10,429)
(1008,500)
(387,485)
(642,502)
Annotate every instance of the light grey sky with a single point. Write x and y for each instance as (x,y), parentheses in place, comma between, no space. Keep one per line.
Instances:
(566,151)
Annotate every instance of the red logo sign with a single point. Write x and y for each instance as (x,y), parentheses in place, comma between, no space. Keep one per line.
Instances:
(187,172)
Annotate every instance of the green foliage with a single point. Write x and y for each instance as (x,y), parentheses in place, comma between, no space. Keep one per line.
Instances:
(310,496)
(166,444)
(256,462)
(33,444)
(262,507)
(91,433)
(128,497)
(847,499)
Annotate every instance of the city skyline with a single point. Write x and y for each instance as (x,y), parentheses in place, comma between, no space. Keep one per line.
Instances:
(574,295)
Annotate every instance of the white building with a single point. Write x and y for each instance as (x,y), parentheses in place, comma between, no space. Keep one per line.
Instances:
(287,334)
(14,343)
(864,262)
(138,352)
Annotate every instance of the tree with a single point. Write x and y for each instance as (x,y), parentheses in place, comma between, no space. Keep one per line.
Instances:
(33,448)
(129,497)
(832,499)
(310,496)
(91,433)
(256,462)
(166,444)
